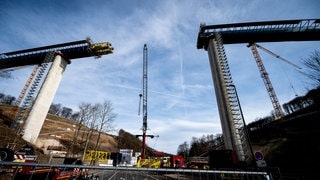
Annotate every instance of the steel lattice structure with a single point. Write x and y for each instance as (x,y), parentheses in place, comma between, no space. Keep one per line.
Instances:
(69,50)
(213,37)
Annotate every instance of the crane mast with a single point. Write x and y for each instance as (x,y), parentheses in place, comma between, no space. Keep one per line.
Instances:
(276,105)
(144,102)
(274,100)
(144,99)
(212,38)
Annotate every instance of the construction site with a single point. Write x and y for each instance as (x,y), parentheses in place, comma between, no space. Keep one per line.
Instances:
(239,153)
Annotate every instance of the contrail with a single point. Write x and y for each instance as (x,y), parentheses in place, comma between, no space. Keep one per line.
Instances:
(181,68)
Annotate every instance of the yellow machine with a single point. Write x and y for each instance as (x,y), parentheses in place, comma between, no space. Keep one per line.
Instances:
(150,162)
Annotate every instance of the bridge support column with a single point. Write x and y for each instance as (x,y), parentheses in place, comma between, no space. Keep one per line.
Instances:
(40,108)
(221,93)
(231,117)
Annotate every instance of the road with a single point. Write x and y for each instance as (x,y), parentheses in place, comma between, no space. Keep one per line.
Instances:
(137,175)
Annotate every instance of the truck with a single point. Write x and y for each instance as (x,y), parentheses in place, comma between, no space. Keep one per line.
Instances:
(162,160)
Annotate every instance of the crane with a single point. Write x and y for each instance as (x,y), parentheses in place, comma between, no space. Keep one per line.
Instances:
(144,96)
(277,56)
(41,57)
(144,99)
(34,80)
(212,38)
(274,100)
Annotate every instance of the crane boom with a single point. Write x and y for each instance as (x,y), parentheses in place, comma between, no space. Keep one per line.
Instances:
(274,100)
(277,56)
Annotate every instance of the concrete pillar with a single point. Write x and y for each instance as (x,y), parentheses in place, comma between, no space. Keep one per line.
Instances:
(40,108)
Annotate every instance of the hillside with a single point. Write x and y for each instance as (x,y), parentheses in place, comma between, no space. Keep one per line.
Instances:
(57,134)
(291,144)
(7,137)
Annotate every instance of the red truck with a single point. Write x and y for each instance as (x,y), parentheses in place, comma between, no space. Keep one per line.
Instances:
(26,155)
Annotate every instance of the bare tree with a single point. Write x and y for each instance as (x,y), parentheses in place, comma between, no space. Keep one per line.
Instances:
(5,74)
(105,119)
(7,99)
(75,116)
(66,112)
(92,125)
(98,117)
(312,64)
(55,109)
(82,119)
(1,97)
(183,150)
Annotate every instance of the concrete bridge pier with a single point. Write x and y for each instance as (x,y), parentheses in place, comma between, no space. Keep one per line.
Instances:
(40,108)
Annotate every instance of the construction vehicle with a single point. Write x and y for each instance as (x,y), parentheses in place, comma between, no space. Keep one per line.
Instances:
(174,161)
(162,160)
(198,163)
(26,166)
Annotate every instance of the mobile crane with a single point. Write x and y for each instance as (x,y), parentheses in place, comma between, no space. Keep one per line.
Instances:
(144,96)
(143,161)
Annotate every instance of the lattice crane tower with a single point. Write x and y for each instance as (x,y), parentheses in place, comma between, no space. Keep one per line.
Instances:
(144,97)
(213,37)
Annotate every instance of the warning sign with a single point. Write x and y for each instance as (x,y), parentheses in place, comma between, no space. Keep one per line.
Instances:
(258,155)
(101,156)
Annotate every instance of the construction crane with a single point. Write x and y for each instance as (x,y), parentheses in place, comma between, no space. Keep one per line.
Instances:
(274,100)
(24,101)
(277,56)
(144,96)
(212,39)
(41,57)
(23,93)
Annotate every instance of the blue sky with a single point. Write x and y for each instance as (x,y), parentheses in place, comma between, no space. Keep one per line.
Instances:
(181,98)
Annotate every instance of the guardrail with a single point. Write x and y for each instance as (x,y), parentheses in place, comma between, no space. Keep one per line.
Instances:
(58,171)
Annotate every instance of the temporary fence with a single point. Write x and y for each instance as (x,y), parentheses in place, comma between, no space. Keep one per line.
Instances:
(64,171)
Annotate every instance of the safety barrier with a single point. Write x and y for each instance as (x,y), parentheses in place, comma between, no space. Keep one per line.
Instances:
(124,172)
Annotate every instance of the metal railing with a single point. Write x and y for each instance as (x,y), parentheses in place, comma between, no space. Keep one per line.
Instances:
(31,171)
